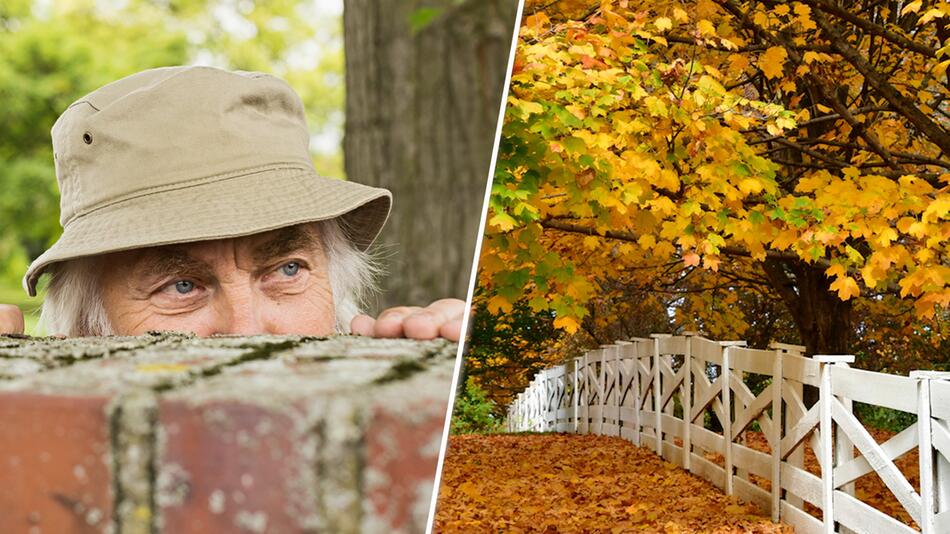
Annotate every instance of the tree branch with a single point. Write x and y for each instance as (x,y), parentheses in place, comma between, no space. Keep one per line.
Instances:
(871,28)
(621,235)
(903,105)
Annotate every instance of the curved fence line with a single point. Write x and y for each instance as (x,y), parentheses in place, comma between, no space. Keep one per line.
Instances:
(689,398)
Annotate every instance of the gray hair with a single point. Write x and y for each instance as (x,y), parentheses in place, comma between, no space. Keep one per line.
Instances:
(73,305)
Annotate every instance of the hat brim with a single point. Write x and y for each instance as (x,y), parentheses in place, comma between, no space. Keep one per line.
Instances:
(218,209)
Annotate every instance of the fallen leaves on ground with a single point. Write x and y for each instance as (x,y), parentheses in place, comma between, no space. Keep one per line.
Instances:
(569,483)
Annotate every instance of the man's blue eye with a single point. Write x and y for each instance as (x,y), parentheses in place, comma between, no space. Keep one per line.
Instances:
(290,269)
(184,286)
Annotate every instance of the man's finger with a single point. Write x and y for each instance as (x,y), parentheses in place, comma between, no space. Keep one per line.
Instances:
(11,319)
(450,308)
(390,322)
(452,330)
(362,325)
(424,323)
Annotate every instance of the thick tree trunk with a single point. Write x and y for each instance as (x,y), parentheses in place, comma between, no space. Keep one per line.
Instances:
(823,320)
(421,111)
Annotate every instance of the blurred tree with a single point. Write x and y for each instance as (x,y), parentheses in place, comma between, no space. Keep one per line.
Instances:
(424,85)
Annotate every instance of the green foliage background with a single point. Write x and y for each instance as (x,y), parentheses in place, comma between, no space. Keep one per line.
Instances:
(54,52)
(474,412)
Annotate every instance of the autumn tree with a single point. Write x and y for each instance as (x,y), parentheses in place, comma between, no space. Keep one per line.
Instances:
(794,150)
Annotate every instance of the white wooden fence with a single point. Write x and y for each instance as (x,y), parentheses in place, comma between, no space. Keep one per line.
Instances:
(660,392)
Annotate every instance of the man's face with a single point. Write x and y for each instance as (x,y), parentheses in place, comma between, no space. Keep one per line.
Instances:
(270,283)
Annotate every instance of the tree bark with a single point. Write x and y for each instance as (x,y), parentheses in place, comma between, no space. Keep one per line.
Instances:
(823,320)
(421,112)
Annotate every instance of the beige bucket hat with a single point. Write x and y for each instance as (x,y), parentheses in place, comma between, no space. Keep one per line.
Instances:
(181,154)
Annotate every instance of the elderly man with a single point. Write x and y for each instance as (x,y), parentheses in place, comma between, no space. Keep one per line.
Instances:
(189,203)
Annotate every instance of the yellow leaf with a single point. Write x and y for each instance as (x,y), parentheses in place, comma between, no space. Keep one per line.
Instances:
(738,62)
(538,21)
(803,13)
(680,15)
(569,324)
(750,186)
(846,287)
(772,62)
(528,108)
(930,15)
(869,274)
(705,27)
(498,304)
(577,111)
(735,509)
(886,236)
(837,270)
(663,205)
(663,23)
(912,7)
(646,241)
(502,221)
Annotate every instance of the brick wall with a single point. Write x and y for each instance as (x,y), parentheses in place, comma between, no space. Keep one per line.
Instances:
(169,433)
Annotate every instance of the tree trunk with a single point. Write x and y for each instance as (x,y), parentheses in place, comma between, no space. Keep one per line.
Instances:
(823,320)
(421,110)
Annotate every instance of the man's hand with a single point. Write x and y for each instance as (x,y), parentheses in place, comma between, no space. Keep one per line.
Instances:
(442,318)
(11,319)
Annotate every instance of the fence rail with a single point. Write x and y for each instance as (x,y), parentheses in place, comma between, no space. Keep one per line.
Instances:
(688,396)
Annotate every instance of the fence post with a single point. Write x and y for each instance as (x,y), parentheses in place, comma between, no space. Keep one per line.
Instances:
(825,422)
(844,449)
(934,485)
(688,400)
(726,377)
(535,404)
(617,382)
(622,348)
(586,378)
(925,445)
(776,437)
(545,400)
(577,393)
(602,386)
(796,458)
(657,392)
(635,387)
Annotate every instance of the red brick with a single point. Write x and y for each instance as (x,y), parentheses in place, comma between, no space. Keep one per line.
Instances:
(228,467)
(402,452)
(55,473)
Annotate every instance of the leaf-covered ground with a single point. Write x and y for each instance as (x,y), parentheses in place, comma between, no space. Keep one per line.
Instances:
(568,483)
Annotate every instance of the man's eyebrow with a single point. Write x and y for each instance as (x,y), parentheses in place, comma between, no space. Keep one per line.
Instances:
(286,241)
(162,262)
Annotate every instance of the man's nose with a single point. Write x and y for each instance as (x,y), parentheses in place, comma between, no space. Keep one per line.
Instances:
(238,313)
